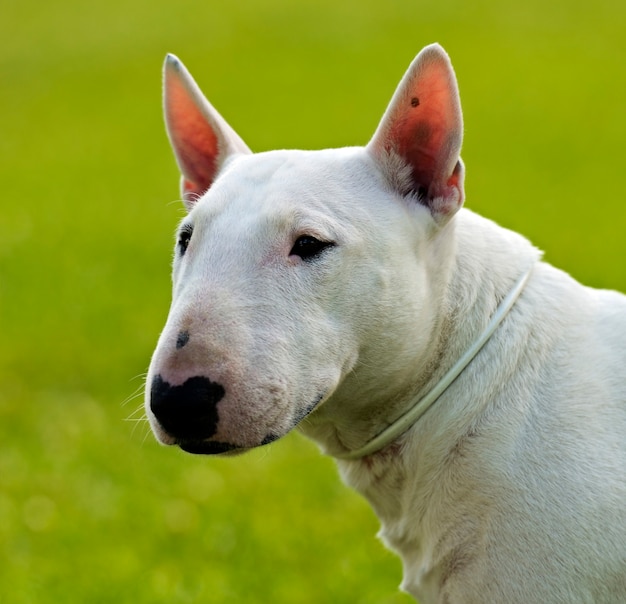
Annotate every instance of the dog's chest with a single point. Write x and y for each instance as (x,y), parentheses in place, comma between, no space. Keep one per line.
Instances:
(432,509)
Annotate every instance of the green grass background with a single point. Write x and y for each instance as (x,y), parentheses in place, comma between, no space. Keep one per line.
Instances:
(91,508)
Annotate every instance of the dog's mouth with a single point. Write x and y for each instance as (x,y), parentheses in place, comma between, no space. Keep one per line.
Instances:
(197,445)
(207,447)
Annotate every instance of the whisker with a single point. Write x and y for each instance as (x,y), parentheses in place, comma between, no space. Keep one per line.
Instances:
(145,438)
(141,420)
(138,391)
(181,202)
(131,397)
(139,411)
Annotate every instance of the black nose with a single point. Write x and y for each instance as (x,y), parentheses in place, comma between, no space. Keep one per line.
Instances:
(188,411)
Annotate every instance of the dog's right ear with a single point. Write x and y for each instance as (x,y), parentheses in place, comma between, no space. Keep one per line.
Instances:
(200,137)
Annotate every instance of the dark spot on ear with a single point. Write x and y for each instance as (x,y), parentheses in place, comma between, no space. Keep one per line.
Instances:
(422,135)
(415,102)
(182,339)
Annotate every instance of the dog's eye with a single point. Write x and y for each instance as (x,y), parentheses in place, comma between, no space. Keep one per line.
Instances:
(307,247)
(183,238)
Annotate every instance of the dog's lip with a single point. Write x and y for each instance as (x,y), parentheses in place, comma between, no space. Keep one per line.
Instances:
(207,447)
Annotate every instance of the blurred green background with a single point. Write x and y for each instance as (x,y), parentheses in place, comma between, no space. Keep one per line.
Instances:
(91,508)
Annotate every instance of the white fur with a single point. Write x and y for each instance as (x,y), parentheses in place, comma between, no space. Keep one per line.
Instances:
(512,487)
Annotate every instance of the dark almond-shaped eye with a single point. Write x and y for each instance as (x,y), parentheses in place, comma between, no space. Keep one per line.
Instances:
(184,236)
(308,247)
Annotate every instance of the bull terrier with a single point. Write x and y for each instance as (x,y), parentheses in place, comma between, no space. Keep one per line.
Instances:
(474,394)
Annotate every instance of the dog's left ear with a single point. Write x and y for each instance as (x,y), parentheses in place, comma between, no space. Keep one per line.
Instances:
(200,137)
(418,141)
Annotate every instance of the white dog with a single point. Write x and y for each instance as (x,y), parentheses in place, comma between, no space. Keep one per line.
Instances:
(475,395)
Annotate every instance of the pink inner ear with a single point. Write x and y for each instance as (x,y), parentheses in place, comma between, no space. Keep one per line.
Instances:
(193,139)
(426,132)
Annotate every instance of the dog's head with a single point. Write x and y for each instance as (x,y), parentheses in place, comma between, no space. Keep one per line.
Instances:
(295,272)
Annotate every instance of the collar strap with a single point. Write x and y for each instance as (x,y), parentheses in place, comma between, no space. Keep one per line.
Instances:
(419,407)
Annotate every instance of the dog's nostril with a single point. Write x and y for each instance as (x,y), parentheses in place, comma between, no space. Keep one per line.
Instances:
(188,411)
(182,339)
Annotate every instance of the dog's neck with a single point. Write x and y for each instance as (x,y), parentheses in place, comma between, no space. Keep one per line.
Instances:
(421,404)
(484,269)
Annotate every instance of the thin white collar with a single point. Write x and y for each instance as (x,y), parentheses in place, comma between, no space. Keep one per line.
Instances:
(404,422)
